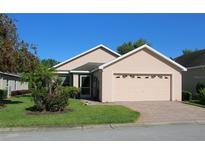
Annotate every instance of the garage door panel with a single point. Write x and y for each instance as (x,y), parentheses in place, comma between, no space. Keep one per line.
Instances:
(141,87)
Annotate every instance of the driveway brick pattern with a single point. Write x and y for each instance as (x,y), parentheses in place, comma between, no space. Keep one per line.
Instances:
(166,111)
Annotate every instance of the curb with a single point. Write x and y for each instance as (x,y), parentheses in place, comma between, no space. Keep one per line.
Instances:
(147,124)
(106,126)
(40,128)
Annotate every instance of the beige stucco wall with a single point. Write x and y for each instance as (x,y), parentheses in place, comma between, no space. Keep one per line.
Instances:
(99,55)
(143,62)
(191,78)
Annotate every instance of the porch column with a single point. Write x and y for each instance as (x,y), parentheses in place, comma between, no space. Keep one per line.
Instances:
(76,80)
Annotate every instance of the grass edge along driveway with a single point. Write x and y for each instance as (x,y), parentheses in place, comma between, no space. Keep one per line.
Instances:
(15,114)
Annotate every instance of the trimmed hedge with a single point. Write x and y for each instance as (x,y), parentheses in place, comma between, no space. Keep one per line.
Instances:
(20,92)
(186,96)
(3,94)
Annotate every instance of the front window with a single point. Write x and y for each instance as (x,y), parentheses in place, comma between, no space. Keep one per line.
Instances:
(66,80)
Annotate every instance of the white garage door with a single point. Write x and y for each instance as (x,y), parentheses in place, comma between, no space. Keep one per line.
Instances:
(148,87)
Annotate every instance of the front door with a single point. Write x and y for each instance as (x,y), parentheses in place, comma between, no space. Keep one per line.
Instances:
(85,86)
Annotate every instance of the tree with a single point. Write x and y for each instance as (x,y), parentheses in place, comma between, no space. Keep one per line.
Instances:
(49,62)
(187,51)
(8,44)
(15,55)
(8,31)
(141,42)
(46,91)
(40,77)
(126,47)
(26,61)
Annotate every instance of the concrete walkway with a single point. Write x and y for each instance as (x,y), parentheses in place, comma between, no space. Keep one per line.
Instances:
(166,111)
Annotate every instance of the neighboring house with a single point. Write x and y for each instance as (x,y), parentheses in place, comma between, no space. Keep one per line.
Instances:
(195,63)
(12,81)
(143,74)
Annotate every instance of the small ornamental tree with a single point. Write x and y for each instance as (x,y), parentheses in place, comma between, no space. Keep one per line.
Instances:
(40,78)
(47,93)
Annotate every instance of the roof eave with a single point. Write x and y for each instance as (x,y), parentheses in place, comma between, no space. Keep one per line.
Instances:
(196,67)
(73,71)
(10,74)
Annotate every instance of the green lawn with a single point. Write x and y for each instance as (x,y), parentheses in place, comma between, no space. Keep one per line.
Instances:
(15,115)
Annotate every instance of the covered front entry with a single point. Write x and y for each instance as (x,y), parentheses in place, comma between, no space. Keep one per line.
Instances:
(141,87)
(85,86)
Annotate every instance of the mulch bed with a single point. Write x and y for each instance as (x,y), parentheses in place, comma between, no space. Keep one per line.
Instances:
(48,113)
(2,105)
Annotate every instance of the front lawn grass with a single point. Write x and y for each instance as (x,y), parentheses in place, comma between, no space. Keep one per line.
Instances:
(16,115)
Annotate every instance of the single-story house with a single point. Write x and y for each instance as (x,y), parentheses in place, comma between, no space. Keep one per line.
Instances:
(12,81)
(143,74)
(195,64)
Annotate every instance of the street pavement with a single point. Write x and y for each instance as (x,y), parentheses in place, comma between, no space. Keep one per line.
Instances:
(163,132)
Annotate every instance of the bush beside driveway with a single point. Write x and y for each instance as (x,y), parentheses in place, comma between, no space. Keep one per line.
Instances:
(77,113)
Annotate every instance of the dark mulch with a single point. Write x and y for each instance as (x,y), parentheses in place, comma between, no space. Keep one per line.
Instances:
(2,105)
(47,113)
(9,102)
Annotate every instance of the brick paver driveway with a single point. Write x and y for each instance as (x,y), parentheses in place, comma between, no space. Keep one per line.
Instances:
(165,111)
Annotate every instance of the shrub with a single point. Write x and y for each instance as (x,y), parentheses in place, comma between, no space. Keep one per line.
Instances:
(55,101)
(40,99)
(195,96)
(3,94)
(202,96)
(73,92)
(19,92)
(186,96)
(200,85)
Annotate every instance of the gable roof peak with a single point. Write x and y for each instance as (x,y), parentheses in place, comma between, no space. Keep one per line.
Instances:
(86,52)
(138,49)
